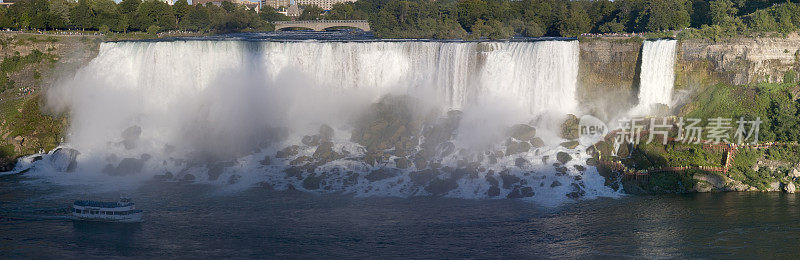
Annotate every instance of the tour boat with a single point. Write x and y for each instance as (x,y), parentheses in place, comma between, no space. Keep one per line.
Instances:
(121,211)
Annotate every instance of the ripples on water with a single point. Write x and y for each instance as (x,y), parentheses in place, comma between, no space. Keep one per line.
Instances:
(187,220)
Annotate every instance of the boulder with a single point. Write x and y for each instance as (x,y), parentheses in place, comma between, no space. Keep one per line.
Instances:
(522,132)
(520,162)
(325,153)
(537,142)
(790,188)
(563,157)
(521,192)
(188,177)
(130,136)
(514,147)
(380,174)
(267,160)
(439,187)
(570,144)
(312,182)
(64,159)
(570,128)
(508,179)
(310,140)
(402,163)
(579,167)
(288,152)
(325,133)
(555,184)
(423,176)
(577,191)
(493,191)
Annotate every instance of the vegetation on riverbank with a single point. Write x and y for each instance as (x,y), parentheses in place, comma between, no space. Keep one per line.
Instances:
(761,169)
(28,63)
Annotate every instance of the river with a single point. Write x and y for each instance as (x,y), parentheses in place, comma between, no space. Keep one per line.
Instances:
(200,221)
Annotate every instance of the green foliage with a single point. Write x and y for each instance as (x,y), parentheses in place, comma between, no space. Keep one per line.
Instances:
(311,12)
(790,76)
(15,63)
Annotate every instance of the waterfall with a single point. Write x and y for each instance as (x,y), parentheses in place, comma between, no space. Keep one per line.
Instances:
(184,106)
(657,74)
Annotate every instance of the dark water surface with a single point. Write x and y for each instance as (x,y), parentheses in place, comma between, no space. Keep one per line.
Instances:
(196,221)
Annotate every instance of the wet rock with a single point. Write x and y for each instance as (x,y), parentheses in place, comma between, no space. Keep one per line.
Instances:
(130,136)
(577,191)
(166,176)
(493,191)
(563,157)
(294,172)
(312,182)
(569,128)
(570,144)
(64,159)
(188,177)
(380,174)
(520,162)
(127,166)
(492,181)
(521,192)
(439,187)
(325,153)
(561,170)
(555,184)
(544,159)
(217,168)
(522,132)
(514,147)
(288,152)
(310,140)
(447,149)
(267,160)
(422,177)
(420,163)
(537,142)
(402,163)
(389,123)
(579,167)
(591,162)
(325,133)
(508,179)
(302,160)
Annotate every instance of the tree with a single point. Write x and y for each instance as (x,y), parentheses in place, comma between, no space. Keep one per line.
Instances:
(667,15)
(470,11)
(341,11)
(80,15)
(722,12)
(270,15)
(575,21)
(180,8)
(58,18)
(311,12)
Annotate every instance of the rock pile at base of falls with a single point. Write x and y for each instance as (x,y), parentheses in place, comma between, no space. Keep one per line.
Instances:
(64,159)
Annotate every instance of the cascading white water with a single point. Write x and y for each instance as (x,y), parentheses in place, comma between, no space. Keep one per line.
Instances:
(219,99)
(657,74)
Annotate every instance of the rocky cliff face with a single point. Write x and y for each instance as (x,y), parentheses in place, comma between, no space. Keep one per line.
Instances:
(609,73)
(30,63)
(608,76)
(741,61)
